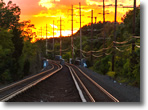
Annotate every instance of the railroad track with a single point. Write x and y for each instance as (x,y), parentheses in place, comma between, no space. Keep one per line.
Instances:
(14,89)
(89,90)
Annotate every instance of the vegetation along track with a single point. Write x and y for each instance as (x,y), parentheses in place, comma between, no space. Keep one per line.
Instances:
(92,91)
(14,89)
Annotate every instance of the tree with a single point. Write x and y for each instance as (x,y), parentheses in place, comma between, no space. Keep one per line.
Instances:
(6,51)
(9,15)
(128,21)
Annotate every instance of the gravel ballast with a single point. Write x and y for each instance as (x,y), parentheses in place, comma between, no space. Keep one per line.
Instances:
(123,92)
(57,88)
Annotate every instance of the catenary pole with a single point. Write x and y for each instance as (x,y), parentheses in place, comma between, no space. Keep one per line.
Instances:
(60,36)
(72,39)
(91,34)
(80,32)
(104,27)
(46,40)
(134,23)
(53,38)
(115,23)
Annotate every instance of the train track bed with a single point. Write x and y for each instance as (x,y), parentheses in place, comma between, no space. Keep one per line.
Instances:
(92,91)
(16,88)
(57,88)
(122,92)
(77,84)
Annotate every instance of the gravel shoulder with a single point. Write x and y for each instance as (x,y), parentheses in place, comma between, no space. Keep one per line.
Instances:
(123,92)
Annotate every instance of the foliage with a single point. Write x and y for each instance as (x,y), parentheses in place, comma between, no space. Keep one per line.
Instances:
(5,77)
(127,64)
(111,74)
(128,18)
(67,56)
(6,52)
(9,15)
(18,56)
(102,66)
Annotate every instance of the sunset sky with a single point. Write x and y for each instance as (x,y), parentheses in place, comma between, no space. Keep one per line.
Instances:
(42,12)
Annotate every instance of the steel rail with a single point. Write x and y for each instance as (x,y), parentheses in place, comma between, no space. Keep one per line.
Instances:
(97,85)
(86,90)
(14,84)
(77,86)
(22,89)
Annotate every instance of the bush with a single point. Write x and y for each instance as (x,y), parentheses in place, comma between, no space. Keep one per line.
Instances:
(5,77)
(103,65)
(111,74)
(26,68)
(126,69)
(67,56)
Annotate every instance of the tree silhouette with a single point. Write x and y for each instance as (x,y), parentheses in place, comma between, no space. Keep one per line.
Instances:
(9,15)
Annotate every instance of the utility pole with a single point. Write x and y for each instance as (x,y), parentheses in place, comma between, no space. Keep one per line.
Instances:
(41,32)
(53,38)
(103,11)
(134,23)
(80,31)
(72,46)
(115,23)
(46,39)
(104,27)
(95,20)
(60,36)
(91,34)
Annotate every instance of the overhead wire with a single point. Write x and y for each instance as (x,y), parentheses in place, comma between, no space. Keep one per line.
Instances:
(96,56)
(137,37)
(121,50)
(138,46)
(123,45)
(49,50)
(108,53)
(84,56)
(110,46)
(123,42)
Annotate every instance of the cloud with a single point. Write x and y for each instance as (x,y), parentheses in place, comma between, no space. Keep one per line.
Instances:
(93,2)
(48,3)
(42,12)
(53,26)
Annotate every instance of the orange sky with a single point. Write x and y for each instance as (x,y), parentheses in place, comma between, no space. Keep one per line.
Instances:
(42,12)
